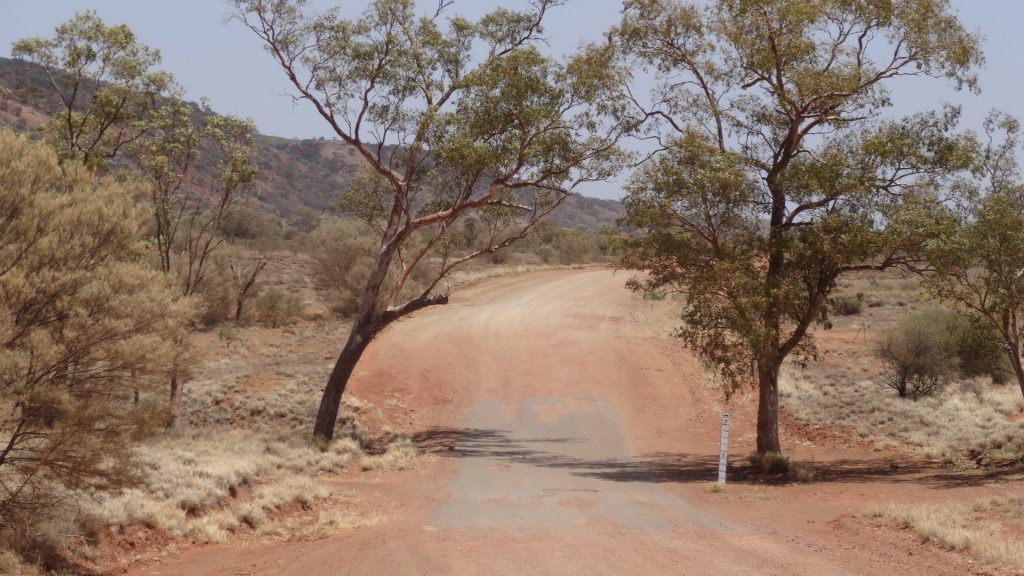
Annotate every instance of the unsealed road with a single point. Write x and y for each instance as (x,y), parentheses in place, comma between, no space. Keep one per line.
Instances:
(567,434)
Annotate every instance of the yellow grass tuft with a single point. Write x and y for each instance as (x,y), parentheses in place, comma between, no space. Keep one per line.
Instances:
(963,423)
(979,527)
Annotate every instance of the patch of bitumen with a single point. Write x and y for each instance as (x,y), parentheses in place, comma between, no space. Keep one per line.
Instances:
(556,462)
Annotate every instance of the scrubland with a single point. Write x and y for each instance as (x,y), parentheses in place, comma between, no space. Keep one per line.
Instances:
(241,463)
(972,423)
(990,528)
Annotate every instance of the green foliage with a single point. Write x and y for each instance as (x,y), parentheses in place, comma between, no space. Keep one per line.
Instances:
(981,351)
(778,174)
(112,102)
(276,308)
(189,220)
(106,84)
(454,119)
(554,245)
(927,349)
(251,222)
(215,295)
(920,353)
(846,305)
(343,254)
(480,126)
(977,256)
(89,336)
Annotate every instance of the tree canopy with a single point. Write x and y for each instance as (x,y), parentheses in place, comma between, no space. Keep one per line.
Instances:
(105,84)
(451,118)
(975,258)
(775,173)
(87,331)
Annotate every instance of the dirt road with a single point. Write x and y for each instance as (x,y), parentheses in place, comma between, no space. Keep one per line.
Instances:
(568,435)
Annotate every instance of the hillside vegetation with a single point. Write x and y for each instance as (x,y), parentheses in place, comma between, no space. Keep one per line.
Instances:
(300,179)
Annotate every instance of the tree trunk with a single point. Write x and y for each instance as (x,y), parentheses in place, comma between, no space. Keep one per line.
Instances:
(768,407)
(239,305)
(1018,369)
(176,386)
(330,402)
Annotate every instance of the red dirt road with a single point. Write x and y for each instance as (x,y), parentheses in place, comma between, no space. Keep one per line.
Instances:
(570,435)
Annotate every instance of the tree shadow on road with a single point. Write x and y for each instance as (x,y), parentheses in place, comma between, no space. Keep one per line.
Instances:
(665,467)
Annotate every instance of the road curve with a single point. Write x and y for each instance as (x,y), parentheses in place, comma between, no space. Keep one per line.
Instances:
(567,434)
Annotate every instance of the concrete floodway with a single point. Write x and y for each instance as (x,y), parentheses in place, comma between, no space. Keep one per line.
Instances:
(552,462)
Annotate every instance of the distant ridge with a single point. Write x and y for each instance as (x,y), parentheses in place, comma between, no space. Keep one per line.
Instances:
(298,176)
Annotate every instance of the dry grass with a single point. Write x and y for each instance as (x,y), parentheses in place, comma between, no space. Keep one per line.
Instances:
(195,484)
(967,421)
(991,529)
(12,565)
(400,454)
(776,466)
(243,460)
(243,456)
(890,288)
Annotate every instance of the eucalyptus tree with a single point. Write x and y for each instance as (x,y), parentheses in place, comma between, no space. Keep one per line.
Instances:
(189,217)
(452,118)
(110,102)
(776,173)
(978,261)
(104,87)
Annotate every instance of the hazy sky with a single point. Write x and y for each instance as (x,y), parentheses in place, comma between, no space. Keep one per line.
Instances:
(225,63)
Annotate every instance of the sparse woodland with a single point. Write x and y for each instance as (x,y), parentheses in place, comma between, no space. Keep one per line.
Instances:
(144,275)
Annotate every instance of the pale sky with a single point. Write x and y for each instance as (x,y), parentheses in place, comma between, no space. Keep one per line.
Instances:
(225,63)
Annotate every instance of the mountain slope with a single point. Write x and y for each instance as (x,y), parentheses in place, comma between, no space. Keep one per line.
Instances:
(298,176)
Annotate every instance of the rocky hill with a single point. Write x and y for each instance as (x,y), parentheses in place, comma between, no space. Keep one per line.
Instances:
(298,176)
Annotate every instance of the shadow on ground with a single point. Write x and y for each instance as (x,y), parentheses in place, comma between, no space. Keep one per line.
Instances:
(687,468)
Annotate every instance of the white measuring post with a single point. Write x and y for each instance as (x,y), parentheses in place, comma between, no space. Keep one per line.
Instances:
(723,450)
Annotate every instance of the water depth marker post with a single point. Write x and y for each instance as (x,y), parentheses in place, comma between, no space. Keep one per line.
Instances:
(723,450)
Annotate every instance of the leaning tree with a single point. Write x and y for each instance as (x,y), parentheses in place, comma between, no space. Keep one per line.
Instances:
(452,119)
(775,173)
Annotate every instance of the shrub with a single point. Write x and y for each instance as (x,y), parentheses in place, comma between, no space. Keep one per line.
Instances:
(776,465)
(847,305)
(920,353)
(275,307)
(980,351)
(89,336)
(251,222)
(545,253)
(343,253)
(215,292)
(499,256)
(926,349)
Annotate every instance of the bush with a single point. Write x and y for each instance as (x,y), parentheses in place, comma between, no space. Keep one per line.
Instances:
(925,350)
(251,222)
(980,351)
(89,336)
(215,292)
(343,255)
(778,466)
(847,305)
(920,353)
(275,307)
